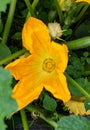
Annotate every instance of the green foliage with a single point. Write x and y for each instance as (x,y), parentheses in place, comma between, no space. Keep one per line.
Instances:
(83,29)
(46,10)
(76,24)
(84,83)
(73,123)
(49,103)
(3,5)
(78,63)
(76,66)
(1,24)
(4,51)
(17,36)
(87,104)
(7,104)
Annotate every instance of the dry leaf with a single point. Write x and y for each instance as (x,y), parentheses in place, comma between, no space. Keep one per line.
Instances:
(77,107)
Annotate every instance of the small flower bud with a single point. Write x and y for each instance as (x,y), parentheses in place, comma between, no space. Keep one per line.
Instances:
(55,30)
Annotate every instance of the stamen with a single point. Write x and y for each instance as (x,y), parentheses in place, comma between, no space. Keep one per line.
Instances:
(48,65)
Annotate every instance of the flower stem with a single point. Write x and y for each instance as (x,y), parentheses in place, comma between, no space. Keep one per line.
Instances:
(29,6)
(75,84)
(13,56)
(31,108)
(24,119)
(9,21)
(60,14)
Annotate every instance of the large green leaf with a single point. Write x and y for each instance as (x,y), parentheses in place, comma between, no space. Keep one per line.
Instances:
(3,5)
(7,104)
(73,122)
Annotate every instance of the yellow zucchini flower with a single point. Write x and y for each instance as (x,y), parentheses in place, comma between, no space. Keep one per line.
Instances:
(44,68)
(88,1)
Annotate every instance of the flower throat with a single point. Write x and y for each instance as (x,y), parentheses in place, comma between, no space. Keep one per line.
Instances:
(48,65)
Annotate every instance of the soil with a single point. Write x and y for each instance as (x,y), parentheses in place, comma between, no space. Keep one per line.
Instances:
(37,125)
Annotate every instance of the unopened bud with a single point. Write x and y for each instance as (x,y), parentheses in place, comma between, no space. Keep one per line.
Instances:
(55,30)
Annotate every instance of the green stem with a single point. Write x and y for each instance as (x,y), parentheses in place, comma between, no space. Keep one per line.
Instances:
(60,14)
(13,56)
(86,73)
(79,8)
(34,4)
(29,6)
(79,43)
(24,119)
(82,11)
(75,84)
(9,21)
(31,108)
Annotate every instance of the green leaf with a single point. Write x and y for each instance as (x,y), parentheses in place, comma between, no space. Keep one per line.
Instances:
(3,5)
(17,36)
(76,66)
(84,83)
(4,51)
(87,104)
(49,103)
(88,60)
(1,24)
(73,122)
(7,104)
(2,124)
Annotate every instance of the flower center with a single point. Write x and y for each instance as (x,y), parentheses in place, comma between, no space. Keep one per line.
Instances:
(48,65)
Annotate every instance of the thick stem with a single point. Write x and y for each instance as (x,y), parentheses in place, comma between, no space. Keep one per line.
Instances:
(31,108)
(13,56)
(24,120)
(75,84)
(9,21)
(79,43)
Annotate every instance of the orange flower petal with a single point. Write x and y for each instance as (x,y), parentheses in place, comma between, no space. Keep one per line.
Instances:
(19,67)
(58,87)
(60,52)
(35,34)
(22,67)
(26,91)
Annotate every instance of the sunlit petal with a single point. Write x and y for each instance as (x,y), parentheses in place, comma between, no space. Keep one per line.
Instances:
(35,34)
(58,87)
(25,91)
(22,67)
(60,54)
